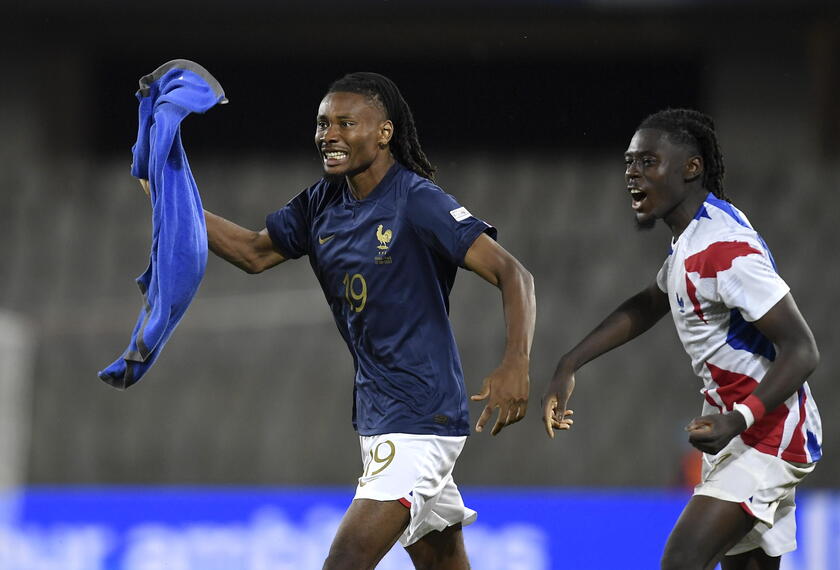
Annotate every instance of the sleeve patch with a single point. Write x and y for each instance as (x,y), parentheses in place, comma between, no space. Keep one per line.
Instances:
(460,214)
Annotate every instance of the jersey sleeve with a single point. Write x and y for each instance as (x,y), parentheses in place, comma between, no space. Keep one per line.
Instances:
(289,226)
(443,224)
(751,284)
(662,275)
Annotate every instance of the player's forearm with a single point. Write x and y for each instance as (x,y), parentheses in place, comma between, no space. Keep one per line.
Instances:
(632,318)
(233,243)
(796,357)
(520,309)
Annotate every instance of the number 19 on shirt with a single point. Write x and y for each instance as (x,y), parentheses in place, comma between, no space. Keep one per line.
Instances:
(352,284)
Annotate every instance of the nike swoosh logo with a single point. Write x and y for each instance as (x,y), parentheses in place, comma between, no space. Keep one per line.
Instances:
(323,240)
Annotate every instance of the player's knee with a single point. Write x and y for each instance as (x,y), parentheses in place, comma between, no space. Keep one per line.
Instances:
(422,564)
(439,550)
(428,560)
(346,559)
(456,562)
(680,559)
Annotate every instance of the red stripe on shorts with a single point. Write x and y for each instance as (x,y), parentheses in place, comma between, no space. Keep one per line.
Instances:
(747,509)
(405,502)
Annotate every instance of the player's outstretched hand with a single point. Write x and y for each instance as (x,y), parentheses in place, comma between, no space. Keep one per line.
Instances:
(507,389)
(711,433)
(554,400)
(144,184)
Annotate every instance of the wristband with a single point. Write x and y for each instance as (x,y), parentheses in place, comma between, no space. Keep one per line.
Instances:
(751,408)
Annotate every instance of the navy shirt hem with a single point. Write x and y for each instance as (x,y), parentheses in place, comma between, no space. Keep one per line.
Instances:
(416,430)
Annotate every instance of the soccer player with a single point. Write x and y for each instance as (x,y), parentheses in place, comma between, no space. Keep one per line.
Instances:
(759,430)
(385,243)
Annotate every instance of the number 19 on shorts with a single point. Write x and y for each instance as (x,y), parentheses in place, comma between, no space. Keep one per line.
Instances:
(355,291)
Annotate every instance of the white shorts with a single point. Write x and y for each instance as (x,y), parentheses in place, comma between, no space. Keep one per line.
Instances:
(417,471)
(765,485)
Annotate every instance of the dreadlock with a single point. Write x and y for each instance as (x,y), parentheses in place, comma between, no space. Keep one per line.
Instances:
(690,127)
(404,144)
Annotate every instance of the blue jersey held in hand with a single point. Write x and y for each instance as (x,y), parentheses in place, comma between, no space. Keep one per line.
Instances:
(179,236)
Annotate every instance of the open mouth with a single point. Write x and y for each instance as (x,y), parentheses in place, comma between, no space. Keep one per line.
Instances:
(332,157)
(637,195)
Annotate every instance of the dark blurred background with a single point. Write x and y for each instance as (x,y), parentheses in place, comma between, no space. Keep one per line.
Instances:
(525,107)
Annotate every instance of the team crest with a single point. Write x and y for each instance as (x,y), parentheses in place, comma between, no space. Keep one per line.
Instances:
(383,236)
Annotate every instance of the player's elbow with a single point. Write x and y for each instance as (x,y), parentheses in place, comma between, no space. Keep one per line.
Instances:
(253,264)
(515,268)
(812,356)
(527,279)
(806,355)
(513,272)
(256,254)
(239,258)
(250,269)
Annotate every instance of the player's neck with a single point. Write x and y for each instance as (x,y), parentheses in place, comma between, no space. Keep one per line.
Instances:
(363,183)
(682,214)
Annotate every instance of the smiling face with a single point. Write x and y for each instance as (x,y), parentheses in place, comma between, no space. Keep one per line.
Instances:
(663,179)
(352,134)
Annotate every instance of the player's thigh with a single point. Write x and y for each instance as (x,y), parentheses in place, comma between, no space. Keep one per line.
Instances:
(443,550)
(706,529)
(367,532)
(753,560)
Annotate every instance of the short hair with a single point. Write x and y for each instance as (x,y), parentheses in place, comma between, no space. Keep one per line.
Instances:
(404,144)
(690,127)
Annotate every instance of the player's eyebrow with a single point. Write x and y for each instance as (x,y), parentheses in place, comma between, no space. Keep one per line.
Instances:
(322,116)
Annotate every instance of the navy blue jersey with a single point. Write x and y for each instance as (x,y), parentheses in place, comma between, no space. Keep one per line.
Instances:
(387,264)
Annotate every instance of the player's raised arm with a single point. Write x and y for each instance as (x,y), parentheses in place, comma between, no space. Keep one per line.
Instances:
(507,386)
(633,317)
(251,251)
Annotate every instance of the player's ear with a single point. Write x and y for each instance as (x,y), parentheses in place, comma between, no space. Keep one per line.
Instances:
(386,131)
(693,168)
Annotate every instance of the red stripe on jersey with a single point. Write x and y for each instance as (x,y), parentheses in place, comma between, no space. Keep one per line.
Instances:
(692,294)
(766,434)
(795,451)
(712,401)
(733,387)
(717,257)
(405,502)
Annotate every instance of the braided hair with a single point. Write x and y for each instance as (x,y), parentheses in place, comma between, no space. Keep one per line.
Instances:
(382,91)
(690,127)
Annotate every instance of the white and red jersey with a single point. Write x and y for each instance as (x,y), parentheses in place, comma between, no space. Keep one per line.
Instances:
(720,277)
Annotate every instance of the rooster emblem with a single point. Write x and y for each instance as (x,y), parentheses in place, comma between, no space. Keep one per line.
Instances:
(383,236)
